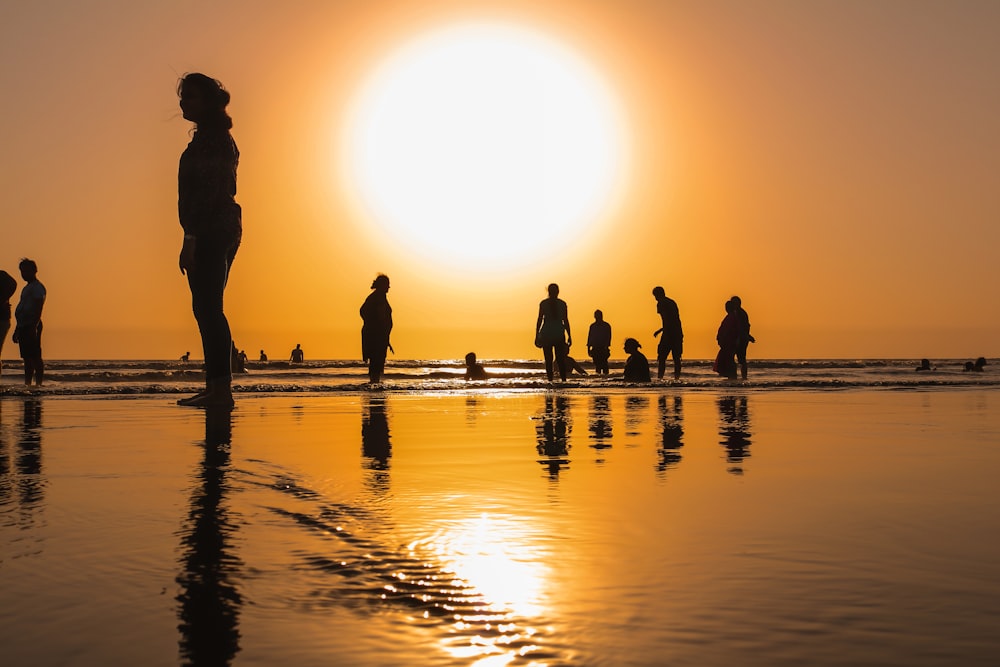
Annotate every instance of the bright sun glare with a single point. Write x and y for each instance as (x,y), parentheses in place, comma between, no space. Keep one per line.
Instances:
(485,145)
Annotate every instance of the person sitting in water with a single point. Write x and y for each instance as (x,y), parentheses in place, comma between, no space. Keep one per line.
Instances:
(925,365)
(637,365)
(976,366)
(573,366)
(473,369)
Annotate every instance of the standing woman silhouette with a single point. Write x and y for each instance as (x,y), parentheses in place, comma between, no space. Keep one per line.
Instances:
(377,316)
(212,222)
(552,321)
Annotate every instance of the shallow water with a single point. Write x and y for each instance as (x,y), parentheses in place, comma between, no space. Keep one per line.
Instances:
(590,527)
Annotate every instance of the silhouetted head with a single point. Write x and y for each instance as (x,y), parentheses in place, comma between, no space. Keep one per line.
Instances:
(659,292)
(553,290)
(470,358)
(632,345)
(980,362)
(381,282)
(204,101)
(969,366)
(28,269)
(730,306)
(598,315)
(736,301)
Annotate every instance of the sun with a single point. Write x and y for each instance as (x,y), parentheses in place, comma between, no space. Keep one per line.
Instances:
(485,146)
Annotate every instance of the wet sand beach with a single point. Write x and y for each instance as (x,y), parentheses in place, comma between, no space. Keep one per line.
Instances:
(600,526)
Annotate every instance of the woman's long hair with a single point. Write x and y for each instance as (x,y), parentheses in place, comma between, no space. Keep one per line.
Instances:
(216,99)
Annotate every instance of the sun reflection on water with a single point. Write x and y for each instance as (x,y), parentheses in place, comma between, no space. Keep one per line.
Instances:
(497,557)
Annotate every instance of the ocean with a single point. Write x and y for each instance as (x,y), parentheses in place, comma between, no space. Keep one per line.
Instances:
(167,377)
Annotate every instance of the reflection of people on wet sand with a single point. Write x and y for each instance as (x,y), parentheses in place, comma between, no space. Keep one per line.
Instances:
(734,429)
(637,365)
(743,337)
(977,366)
(209,599)
(375,444)
(672,431)
(670,332)
(297,354)
(599,343)
(213,227)
(28,322)
(377,316)
(727,337)
(925,365)
(8,285)
(552,322)
(473,369)
(553,430)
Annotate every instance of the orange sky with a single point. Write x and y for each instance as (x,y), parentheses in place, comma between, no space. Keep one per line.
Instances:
(833,163)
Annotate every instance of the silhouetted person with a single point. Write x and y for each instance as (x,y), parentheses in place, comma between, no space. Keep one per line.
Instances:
(743,337)
(298,355)
(28,322)
(976,366)
(552,332)
(8,286)
(239,360)
(473,369)
(599,343)
(186,356)
(925,365)
(213,226)
(727,337)
(670,332)
(574,366)
(637,365)
(262,357)
(376,313)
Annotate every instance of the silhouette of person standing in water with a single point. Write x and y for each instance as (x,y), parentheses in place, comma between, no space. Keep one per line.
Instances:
(743,337)
(298,355)
(670,332)
(262,357)
(28,326)
(213,227)
(8,286)
(728,339)
(599,343)
(376,313)
(552,322)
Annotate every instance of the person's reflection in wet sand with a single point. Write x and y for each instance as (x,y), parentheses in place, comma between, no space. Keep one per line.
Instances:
(672,431)
(29,455)
(636,408)
(734,429)
(375,445)
(600,424)
(553,428)
(21,481)
(209,600)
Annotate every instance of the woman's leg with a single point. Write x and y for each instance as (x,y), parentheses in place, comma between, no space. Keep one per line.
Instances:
(547,353)
(208,285)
